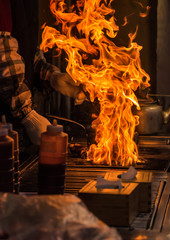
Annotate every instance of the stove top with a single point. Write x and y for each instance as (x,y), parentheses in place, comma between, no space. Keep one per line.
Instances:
(154,154)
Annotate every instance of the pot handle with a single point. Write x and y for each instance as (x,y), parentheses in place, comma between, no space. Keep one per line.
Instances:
(166,115)
(156,100)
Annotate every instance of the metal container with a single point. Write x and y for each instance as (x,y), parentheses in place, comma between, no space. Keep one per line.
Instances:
(151,117)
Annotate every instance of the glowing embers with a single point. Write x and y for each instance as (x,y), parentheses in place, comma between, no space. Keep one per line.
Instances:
(108,72)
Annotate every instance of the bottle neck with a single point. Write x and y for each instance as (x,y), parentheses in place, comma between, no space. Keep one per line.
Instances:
(2,138)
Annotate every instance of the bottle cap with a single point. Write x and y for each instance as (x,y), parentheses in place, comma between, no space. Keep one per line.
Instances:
(8,126)
(54,128)
(3,132)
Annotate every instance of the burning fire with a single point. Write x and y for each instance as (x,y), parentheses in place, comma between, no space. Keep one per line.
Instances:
(108,72)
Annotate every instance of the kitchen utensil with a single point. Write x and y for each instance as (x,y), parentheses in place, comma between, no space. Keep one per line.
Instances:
(151,117)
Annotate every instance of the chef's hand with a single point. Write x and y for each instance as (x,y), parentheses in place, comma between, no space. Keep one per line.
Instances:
(35,124)
(63,83)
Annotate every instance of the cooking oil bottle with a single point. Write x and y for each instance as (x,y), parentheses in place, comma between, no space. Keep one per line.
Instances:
(6,161)
(14,135)
(52,160)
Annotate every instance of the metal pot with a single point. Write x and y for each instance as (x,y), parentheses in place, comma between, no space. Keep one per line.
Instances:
(151,117)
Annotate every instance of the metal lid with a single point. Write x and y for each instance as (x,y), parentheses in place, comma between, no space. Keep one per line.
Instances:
(144,102)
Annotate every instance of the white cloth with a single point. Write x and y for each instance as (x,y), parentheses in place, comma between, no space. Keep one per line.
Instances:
(130,174)
(106,184)
(55,217)
(35,124)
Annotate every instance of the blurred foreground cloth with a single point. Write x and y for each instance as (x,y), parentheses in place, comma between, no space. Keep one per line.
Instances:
(54,217)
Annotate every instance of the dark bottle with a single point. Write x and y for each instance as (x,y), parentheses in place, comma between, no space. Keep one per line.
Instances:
(52,160)
(14,135)
(6,161)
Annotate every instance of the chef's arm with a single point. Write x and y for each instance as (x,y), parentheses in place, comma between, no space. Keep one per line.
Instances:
(17,93)
(61,82)
(14,91)
(13,88)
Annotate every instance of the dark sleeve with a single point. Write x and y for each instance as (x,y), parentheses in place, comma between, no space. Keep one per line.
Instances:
(5,16)
(25,30)
(14,92)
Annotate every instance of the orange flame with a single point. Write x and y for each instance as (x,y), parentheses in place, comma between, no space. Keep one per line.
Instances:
(144,14)
(112,75)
